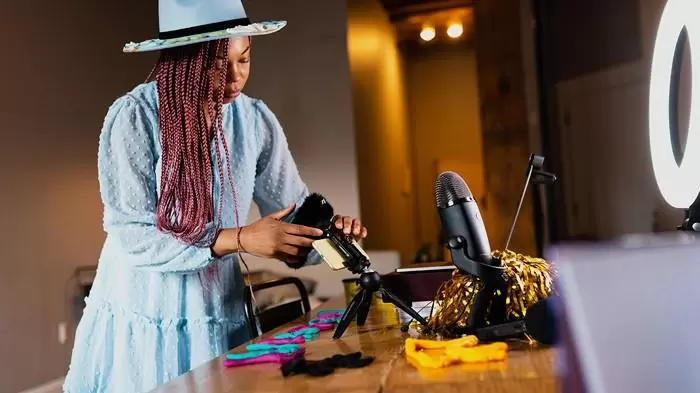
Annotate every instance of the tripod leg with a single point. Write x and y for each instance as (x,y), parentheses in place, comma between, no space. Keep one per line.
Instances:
(401,305)
(349,314)
(363,309)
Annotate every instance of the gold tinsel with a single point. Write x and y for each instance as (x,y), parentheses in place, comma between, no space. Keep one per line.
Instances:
(529,280)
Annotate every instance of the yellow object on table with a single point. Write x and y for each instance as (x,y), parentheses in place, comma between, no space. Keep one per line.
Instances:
(438,354)
(387,311)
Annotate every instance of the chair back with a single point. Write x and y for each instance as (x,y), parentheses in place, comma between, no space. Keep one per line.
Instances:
(263,321)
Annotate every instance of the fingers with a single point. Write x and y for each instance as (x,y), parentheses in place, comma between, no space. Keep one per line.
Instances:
(344,223)
(363,233)
(351,226)
(356,227)
(280,214)
(298,241)
(301,230)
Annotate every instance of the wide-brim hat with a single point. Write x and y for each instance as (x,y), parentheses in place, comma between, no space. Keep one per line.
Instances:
(185,22)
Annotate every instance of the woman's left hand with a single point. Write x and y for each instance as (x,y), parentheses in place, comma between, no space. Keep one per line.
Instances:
(351,226)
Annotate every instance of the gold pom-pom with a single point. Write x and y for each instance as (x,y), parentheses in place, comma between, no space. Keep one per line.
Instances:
(529,280)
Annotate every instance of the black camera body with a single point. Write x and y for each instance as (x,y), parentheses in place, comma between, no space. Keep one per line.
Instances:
(317,212)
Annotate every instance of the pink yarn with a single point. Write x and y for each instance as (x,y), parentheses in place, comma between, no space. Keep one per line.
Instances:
(329,316)
(323,326)
(297,328)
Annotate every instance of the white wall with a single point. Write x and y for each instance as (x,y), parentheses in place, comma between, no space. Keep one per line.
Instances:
(603,118)
(58,81)
(306,69)
(304,76)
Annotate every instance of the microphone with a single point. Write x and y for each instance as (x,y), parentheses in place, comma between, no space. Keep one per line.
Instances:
(461,218)
(539,323)
(465,235)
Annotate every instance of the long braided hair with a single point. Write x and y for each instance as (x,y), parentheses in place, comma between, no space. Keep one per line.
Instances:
(189,101)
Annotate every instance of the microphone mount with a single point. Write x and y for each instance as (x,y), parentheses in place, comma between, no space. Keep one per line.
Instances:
(489,301)
(489,304)
(493,277)
(691,221)
(535,175)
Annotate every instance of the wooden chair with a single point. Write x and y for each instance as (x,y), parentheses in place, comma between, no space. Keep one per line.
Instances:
(263,321)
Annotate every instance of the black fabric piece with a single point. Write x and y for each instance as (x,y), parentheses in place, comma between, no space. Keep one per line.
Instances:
(353,360)
(325,366)
(208,28)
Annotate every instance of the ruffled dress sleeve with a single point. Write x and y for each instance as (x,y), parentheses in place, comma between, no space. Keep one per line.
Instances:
(127,158)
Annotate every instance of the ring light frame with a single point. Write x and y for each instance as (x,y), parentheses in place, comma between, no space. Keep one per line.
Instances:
(677,178)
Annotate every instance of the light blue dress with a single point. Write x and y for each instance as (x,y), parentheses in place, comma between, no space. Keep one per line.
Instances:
(154,312)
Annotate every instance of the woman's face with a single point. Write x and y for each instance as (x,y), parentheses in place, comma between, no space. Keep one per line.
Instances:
(238,67)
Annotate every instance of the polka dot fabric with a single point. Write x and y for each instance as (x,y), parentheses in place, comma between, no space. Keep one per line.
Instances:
(154,313)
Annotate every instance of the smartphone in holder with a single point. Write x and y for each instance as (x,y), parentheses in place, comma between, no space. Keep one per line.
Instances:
(337,249)
(329,253)
(332,256)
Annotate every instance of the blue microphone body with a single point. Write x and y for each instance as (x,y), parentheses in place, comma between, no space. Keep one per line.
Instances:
(462,224)
(465,235)
(464,228)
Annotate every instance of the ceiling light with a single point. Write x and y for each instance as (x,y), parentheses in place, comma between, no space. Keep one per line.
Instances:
(427,33)
(455,30)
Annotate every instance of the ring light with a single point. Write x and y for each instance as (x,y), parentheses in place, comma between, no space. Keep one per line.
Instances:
(679,183)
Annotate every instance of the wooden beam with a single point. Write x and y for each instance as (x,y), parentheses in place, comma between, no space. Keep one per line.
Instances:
(400,10)
(504,119)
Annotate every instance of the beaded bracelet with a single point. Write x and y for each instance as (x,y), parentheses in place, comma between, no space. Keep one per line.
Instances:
(239,248)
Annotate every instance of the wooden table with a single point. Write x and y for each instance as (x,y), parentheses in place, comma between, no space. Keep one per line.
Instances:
(526,370)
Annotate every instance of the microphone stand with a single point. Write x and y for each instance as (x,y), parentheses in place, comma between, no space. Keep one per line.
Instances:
(489,305)
(691,221)
(493,292)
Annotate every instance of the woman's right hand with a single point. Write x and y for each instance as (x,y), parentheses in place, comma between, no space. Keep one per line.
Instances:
(270,237)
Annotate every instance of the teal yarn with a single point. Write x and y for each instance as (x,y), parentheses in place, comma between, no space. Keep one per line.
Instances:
(255,350)
(308,334)
(282,348)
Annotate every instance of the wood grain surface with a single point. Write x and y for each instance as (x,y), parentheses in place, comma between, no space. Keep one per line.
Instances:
(525,370)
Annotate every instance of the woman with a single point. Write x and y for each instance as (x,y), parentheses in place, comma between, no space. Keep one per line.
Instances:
(181,157)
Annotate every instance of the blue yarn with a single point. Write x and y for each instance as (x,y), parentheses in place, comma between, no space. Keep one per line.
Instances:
(255,350)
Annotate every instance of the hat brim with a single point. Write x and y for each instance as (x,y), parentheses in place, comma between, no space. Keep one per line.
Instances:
(253,29)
